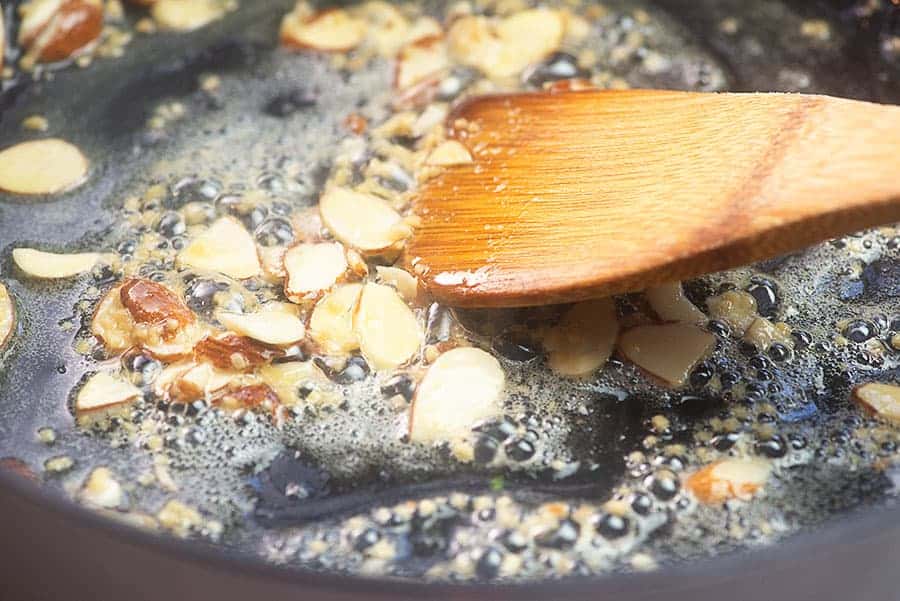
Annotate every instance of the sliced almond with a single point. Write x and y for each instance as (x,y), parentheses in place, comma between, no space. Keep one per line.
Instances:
(49,166)
(422,28)
(389,334)
(448,153)
(736,308)
(419,60)
(880,400)
(147,314)
(331,323)
(387,27)
(406,283)
(270,327)
(362,221)
(670,304)
(54,30)
(668,351)
(729,479)
(502,49)
(151,303)
(202,381)
(112,323)
(228,351)
(333,30)
(188,381)
(7,316)
(186,15)
(271,259)
(101,489)
(762,334)
(300,382)
(461,388)
(584,338)
(313,268)
(226,247)
(50,266)
(252,396)
(104,396)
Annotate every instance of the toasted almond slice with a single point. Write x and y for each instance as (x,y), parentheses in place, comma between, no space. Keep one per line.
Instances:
(271,259)
(762,334)
(528,36)
(473,41)
(331,323)
(461,388)
(232,352)
(226,247)
(448,153)
(504,49)
(7,316)
(670,304)
(362,221)
(164,380)
(668,351)
(880,400)
(251,396)
(422,28)
(202,381)
(389,334)
(49,266)
(584,338)
(288,379)
(419,60)
(101,489)
(271,327)
(387,27)
(313,268)
(47,166)
(729,479)
(331,30)
(103,396)
(406,283)
(150,302)
(112,323)
(186,15)
(54,30)
(736,308)
(188,380)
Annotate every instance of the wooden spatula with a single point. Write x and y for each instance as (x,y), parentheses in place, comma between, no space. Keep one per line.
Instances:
(583,194)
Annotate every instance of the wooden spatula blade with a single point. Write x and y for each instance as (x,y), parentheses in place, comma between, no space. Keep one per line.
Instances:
(589,193)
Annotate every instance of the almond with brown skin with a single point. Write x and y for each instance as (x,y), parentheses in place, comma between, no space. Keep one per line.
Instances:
(54,30)
(154,304)
(729,479)
(254,396)
(235,352)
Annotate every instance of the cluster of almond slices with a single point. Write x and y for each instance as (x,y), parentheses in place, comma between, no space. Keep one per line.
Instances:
(258,359)
(424,50)
(56,30)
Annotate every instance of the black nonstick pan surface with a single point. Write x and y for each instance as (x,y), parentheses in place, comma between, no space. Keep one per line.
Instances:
(53,549)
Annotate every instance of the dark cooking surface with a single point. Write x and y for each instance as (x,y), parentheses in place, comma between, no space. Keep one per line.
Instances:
(111,100)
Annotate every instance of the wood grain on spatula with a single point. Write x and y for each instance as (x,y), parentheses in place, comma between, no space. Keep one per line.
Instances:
(590,193)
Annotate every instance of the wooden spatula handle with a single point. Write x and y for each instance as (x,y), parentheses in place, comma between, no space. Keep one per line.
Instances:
(832,162)
(591,193)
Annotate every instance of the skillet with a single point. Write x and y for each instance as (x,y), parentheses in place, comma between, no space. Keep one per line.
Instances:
(102,109)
